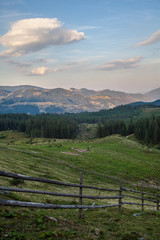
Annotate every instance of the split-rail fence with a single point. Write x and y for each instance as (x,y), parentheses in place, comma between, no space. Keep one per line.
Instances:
(121,195)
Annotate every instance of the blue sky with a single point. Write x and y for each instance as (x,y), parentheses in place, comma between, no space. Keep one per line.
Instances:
(95,44)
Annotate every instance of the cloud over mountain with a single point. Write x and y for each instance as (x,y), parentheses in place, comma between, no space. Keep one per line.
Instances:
(153,39)
(31,35)
(40,71)
(121,64)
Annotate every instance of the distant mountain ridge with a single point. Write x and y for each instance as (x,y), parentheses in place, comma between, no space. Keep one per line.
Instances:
(155,94)
(33,99)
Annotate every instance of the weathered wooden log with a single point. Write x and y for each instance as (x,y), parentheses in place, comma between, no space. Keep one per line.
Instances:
(57,194)
(5,202)
(157,202)
(135,191)
(45,180)
(120,197)
(142,198)
(80,193)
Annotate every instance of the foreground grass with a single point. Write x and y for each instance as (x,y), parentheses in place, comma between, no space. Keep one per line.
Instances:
(98,224)
(104,162)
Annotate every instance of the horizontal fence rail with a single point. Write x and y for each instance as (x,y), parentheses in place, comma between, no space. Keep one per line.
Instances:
(5,202)
(121,197)
(135,191)
(150,200)
(56,194)
(45,180)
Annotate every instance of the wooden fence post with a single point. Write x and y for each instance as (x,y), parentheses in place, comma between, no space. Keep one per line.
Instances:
(120,197)
(157,202)
(142,198)
(80,193)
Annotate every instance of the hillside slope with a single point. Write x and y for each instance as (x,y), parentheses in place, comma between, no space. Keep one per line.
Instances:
(125,159)
(103,162)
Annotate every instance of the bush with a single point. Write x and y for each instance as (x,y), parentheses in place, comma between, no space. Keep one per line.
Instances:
(16,181)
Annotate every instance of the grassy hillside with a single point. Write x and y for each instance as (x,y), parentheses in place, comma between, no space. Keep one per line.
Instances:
(104,162)
(117,156)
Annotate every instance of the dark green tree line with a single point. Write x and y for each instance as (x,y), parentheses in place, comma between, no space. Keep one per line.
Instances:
(40,125)
(146,130)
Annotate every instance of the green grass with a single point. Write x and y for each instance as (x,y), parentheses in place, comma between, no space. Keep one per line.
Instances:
(97,224)
(104,163)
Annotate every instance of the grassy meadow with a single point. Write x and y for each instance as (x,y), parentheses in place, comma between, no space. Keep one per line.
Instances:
(104,163)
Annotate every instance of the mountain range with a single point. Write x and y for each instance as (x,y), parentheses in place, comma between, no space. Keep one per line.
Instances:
(33,100)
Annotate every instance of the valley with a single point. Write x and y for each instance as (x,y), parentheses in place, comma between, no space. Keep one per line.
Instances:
(62,143)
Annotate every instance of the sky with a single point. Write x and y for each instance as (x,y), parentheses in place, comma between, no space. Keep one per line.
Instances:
(94,44)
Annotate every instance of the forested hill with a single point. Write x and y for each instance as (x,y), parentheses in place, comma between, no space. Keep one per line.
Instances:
(123,120)
(155,103)
(125,113)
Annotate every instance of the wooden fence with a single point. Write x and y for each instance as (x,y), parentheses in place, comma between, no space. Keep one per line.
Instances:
(152,198)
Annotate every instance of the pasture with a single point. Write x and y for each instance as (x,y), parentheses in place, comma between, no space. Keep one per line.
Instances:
(103,162)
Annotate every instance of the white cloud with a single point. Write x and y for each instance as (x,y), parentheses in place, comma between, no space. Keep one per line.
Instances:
(30,35)
(121,64)
(153,39)
(40,71)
